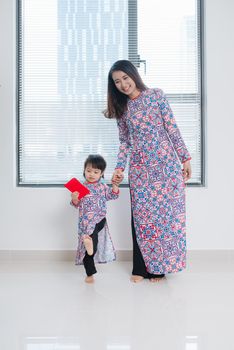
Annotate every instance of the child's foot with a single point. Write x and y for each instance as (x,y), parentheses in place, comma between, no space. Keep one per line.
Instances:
(89,279)
(88,243)
(136,278)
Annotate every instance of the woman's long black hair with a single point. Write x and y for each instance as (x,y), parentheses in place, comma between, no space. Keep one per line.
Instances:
(117,101)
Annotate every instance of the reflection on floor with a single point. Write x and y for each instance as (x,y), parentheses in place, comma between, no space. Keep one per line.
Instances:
(47,306)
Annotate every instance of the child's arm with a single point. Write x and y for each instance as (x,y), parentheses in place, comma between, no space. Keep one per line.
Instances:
(115,188)
(74,199)
(111,192)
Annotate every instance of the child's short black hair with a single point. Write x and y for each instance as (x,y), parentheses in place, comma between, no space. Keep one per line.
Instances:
(96,161)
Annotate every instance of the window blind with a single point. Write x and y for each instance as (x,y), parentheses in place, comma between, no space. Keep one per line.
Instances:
(65,50)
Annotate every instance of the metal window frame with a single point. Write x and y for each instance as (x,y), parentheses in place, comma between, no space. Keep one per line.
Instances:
(134,57)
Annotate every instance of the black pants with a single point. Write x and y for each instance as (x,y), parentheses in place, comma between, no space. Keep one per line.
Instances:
(88,260)
(139,267)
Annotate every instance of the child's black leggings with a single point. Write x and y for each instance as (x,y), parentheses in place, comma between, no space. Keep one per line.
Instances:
(89,259)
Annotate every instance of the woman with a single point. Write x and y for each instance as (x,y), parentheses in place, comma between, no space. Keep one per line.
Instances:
(149,135)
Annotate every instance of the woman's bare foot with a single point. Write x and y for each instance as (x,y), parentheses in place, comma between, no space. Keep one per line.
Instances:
(156,279)
(136,278)
(88,243)
(89,279)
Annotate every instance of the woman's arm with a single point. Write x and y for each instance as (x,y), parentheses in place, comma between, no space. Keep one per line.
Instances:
(124,147)
(172,128)
(125,144)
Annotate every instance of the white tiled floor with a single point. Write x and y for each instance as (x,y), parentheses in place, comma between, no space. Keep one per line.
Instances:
(47,306)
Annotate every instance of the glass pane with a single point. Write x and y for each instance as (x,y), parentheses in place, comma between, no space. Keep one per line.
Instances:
(167,42)
(66,50)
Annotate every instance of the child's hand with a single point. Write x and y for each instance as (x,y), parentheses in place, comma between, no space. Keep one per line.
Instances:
(74,197)
(115,188)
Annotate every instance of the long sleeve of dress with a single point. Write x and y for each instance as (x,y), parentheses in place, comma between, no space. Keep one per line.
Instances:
(110,194)
(172,128)
(124,143)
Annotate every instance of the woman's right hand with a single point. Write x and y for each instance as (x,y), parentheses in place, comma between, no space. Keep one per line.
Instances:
(117,177)
(74,197)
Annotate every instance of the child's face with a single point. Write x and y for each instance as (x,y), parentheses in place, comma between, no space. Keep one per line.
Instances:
(92,174)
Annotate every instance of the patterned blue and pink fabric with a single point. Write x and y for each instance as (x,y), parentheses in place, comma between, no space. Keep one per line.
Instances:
(92,209)
(149,136)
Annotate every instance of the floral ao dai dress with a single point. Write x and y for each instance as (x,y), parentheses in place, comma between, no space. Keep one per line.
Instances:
(150,137)
(92,209)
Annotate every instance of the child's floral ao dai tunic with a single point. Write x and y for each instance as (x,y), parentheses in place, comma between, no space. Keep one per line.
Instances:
(92,209)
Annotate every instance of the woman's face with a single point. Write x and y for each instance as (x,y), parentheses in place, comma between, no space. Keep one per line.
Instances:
(125,84)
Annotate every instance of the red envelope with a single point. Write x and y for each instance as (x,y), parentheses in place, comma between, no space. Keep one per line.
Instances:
(74,185)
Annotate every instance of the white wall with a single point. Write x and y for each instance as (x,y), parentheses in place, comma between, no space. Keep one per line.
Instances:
(41,219)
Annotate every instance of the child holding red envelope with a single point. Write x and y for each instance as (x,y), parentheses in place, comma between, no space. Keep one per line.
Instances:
(94,241)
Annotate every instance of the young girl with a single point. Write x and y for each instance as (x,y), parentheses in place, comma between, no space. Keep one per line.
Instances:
(94,244)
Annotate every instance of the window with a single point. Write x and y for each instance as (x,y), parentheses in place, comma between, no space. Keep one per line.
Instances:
(65,50)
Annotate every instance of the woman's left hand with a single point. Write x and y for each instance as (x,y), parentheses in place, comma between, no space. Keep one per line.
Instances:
(187,171)
(117,177)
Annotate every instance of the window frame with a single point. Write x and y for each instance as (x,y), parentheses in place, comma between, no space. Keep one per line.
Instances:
(136,60)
